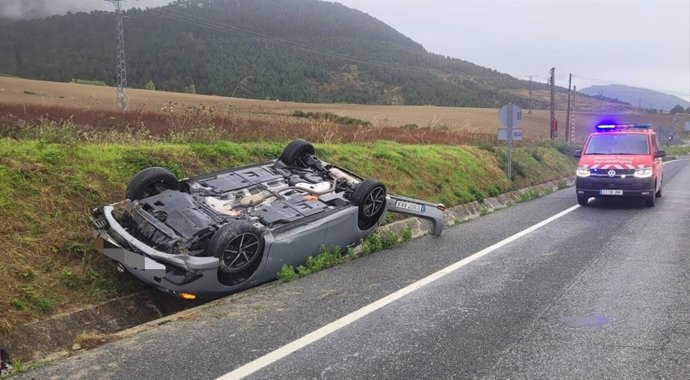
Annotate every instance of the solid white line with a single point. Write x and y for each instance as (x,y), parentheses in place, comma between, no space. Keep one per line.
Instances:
(304,341)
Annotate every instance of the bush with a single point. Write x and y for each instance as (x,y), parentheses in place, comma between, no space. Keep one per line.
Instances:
(537,155)
(390,239)
(90,82)
(519,169)
(406,234)
(477,194)
(372,244)
(327,116)
(494,190)
(327,258)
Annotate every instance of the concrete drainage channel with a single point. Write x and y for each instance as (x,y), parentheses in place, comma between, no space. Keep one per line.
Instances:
(64,334)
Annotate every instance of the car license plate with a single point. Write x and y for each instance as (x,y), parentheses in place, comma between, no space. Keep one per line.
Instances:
(611,192)
(409,206)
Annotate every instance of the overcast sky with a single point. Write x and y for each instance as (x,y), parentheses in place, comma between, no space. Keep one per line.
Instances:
(641,43)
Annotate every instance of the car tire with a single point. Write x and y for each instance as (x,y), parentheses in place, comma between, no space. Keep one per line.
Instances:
(295,151)
(582,200)
(649,201)
(239,247)
(151,181)
(370,197)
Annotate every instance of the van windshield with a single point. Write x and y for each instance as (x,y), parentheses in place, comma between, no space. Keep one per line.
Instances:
(618,144)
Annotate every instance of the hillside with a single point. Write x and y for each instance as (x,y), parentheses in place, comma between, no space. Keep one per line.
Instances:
(646,99)
(296,50)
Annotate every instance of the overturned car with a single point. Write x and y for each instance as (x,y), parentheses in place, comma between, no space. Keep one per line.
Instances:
(226,231)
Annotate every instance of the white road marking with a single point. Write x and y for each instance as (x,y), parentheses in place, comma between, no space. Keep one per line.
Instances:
(312,337)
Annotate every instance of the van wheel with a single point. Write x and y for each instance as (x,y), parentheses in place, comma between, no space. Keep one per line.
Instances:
(658,193)
(649,201)
(582,200)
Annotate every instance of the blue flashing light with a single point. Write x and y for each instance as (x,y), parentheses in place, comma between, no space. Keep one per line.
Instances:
(606,126)
(609,127)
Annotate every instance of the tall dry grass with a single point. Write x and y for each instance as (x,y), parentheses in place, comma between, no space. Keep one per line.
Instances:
(199,124)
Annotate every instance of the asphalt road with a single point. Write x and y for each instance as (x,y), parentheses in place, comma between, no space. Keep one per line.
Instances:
(601,291)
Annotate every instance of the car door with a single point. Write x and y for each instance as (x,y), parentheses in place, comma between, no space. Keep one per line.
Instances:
(658,163)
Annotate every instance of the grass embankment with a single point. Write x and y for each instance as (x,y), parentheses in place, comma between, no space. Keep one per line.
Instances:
(48,188)
(672,152)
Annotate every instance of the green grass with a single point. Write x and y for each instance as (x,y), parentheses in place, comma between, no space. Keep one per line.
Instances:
(332,256)
(562,184)
(677,150)
(48,185)
(327,258)
(528,196)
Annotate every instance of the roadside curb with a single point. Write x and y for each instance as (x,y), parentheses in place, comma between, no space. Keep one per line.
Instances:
(62,334)
(65,330)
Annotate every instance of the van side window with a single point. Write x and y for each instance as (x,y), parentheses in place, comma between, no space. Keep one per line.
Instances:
(656,143)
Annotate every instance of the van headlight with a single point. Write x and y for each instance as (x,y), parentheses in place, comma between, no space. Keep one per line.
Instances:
(643,172)
(582,171)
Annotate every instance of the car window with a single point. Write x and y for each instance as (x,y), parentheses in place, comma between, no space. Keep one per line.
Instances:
(618,144)
(656,143)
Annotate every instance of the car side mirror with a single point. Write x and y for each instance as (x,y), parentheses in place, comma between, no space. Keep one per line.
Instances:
(577,153)
(660,153)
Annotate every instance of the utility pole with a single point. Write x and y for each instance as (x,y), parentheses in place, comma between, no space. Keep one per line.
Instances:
(120,66)
(567,111)
(552,79)
(529,109)
(572,117)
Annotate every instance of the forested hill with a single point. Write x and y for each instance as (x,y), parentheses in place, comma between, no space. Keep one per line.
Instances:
(297,50)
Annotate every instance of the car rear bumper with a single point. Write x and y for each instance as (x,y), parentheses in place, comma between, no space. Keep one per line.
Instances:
(626,187)
(433,212)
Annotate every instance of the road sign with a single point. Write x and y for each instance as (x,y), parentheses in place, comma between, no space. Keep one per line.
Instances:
(503,134)
(510,115)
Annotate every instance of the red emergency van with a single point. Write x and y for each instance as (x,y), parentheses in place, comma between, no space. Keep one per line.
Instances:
(620,160)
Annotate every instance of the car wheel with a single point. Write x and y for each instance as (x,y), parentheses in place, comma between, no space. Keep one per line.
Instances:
(649,201)
(582,200)
(239,247)
(370,197)
(151,181)
(295,153)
